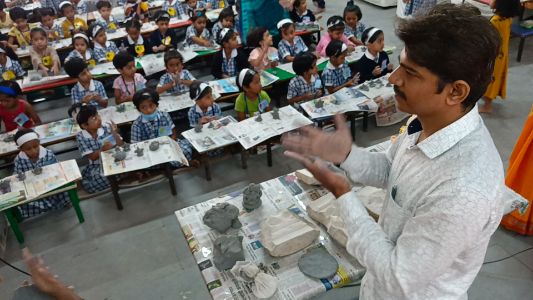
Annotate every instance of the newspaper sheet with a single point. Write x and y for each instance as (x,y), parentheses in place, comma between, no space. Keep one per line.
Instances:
(55,130)
(152,63)
(285,192)
(105,68)
(251,132)
(168,151)
(223,86)
(7,142)
(344,100)
(27,82)
(287,67)
(172,102)
(268,79)
(213,135)
(16,192)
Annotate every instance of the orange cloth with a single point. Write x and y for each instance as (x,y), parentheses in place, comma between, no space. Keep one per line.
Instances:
(520,179)
(498,86)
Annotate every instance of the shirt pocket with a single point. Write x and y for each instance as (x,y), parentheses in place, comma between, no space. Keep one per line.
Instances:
(393,218)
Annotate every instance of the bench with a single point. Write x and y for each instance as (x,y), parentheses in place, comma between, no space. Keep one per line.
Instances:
(523,33)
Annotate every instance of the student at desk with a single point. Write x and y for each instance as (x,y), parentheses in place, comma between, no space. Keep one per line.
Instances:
(307,85)
(129,81)
(19,35)
(53,29)
(375,62)
(82,49)
(197,33)
(32,155)
(15,112)
(72,24)
(134,42)
(189,6)
(205,110)
(105,19)
(92,140)
(300,13)
(230,60)
(226,19)
(5,20)
(163,38)
(87,91)
(252,99)
(290,44)
(81,6)
(104,50)
(9,68)
(43,57)
(173,7)
(337,73)
(335,27)
(177,79)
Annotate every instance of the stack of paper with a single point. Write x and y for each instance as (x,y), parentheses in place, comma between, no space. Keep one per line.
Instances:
(213,135)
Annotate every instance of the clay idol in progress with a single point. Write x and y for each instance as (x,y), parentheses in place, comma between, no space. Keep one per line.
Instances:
(227,250)
(222,217)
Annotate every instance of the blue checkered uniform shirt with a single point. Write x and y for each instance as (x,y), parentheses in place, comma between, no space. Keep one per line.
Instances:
(357,32)
(15,67)
(336,77)
(285,49)
(78,92)
(195,113)
(180,88)
(299,87)
(93,179)
(100,52)
(191,32)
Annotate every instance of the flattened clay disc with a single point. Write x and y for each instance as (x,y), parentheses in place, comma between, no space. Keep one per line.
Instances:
(318,263)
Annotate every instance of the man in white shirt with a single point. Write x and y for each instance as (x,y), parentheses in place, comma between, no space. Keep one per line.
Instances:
(444,176)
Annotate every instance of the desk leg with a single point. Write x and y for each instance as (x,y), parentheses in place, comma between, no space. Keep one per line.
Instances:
(114,188)
(520,49)
(75,200)
(168,173)
(365,121)
(14,224)
(269,154)
(18,215)
(207,166)
(244,158)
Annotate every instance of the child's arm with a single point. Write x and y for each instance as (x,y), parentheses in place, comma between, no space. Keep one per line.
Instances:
(240,116)
(305,97)
(257,62)
(101,101)
(11,43)
(200,41)
(118,97)
(28,109)
(333,89)
(174,135)
(116,135)
(355,41)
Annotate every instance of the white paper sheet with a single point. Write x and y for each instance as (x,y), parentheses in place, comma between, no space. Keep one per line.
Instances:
(211,137)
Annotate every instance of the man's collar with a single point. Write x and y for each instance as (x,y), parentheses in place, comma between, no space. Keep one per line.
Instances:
(42,153)
(233,53)
(444,139)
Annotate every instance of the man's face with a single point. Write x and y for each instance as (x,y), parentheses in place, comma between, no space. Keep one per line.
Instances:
(48,21)
(105,12)
(416,87)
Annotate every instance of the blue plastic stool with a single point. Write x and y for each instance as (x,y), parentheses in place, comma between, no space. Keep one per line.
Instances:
(523,33)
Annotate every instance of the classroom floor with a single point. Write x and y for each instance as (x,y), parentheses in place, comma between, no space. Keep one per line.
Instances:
(140,253)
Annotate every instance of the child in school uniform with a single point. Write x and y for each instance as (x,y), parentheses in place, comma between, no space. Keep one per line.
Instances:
(134,42)
(105,19)
(335,25)
(9,68)
(48,23)
(226,19)
(129,81)
(87,91)
(230,60)
(205,110)
(290,44)
(354,28)
(177,79)
(104,50)
(163,38)
(307,85)
(14,111)
(252,99)
(94,138)
(82,49)
(19,35)
(43,57)
(375,62)
(72,24)
(300,13)
(153,123)
(264,56)
(136,8)
(337,74)
(80,5)
(32,155)
(5,20)
(189,6)
(197,33)
(174,8)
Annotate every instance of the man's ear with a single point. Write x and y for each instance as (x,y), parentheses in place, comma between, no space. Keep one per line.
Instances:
(458,91)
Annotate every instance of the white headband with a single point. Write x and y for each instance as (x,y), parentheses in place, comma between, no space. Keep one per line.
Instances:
(63,4)
(81,35)
(223,33)
(96,29)
(343,48)
(371,34)
(30,136)
(283,22)
(242,74)
(337,22)
(2,50)
(200,90)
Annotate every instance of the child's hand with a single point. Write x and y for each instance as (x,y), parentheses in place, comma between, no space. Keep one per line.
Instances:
(161,48)
(113,127)
(390,66)
(318,94)
(55,69)
(376,71)
(356,78)
(351,49)
(106,146)
(206,119)
(43,68)
(206,43)
(88,98)
(155,48)
(274,64)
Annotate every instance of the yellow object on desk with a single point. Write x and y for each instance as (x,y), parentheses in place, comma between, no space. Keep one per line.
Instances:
(91,63)
(8,75)
(139,49)
(47,61)
(110,55)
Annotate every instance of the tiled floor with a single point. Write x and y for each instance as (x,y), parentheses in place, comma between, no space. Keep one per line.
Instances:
(139,253)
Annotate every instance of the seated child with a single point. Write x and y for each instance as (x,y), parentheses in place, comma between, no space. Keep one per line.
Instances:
(87,91)
(81,6)
(72,24)
(375,62)
(104,50)
(136,9)
(105,19)
(153,123)
(9,68)
(307,85)
(129,81)
(226,19)
(43,57)
(15,112)
(163,38)
(93,139)
(354,28)
(31,156)
(252,99)
(5,20)
(337,74)
(205,110)
(19,35)
(335,27)
(53,30)
(177,79)
(134,42)
(197,33)
(300,13)
(174,8)
(190,6)
(230,60)
(264,56)
(82,49)
(290,44)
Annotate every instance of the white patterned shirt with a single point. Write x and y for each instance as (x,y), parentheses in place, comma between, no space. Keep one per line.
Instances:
(444,201)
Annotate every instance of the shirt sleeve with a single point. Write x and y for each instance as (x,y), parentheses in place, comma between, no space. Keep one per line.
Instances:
(265,96)
(254,54)
(347,41)
(116,83)
(321,47)
(35,59)
(445,224)
(292,91)
(239,104)
(136,135)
